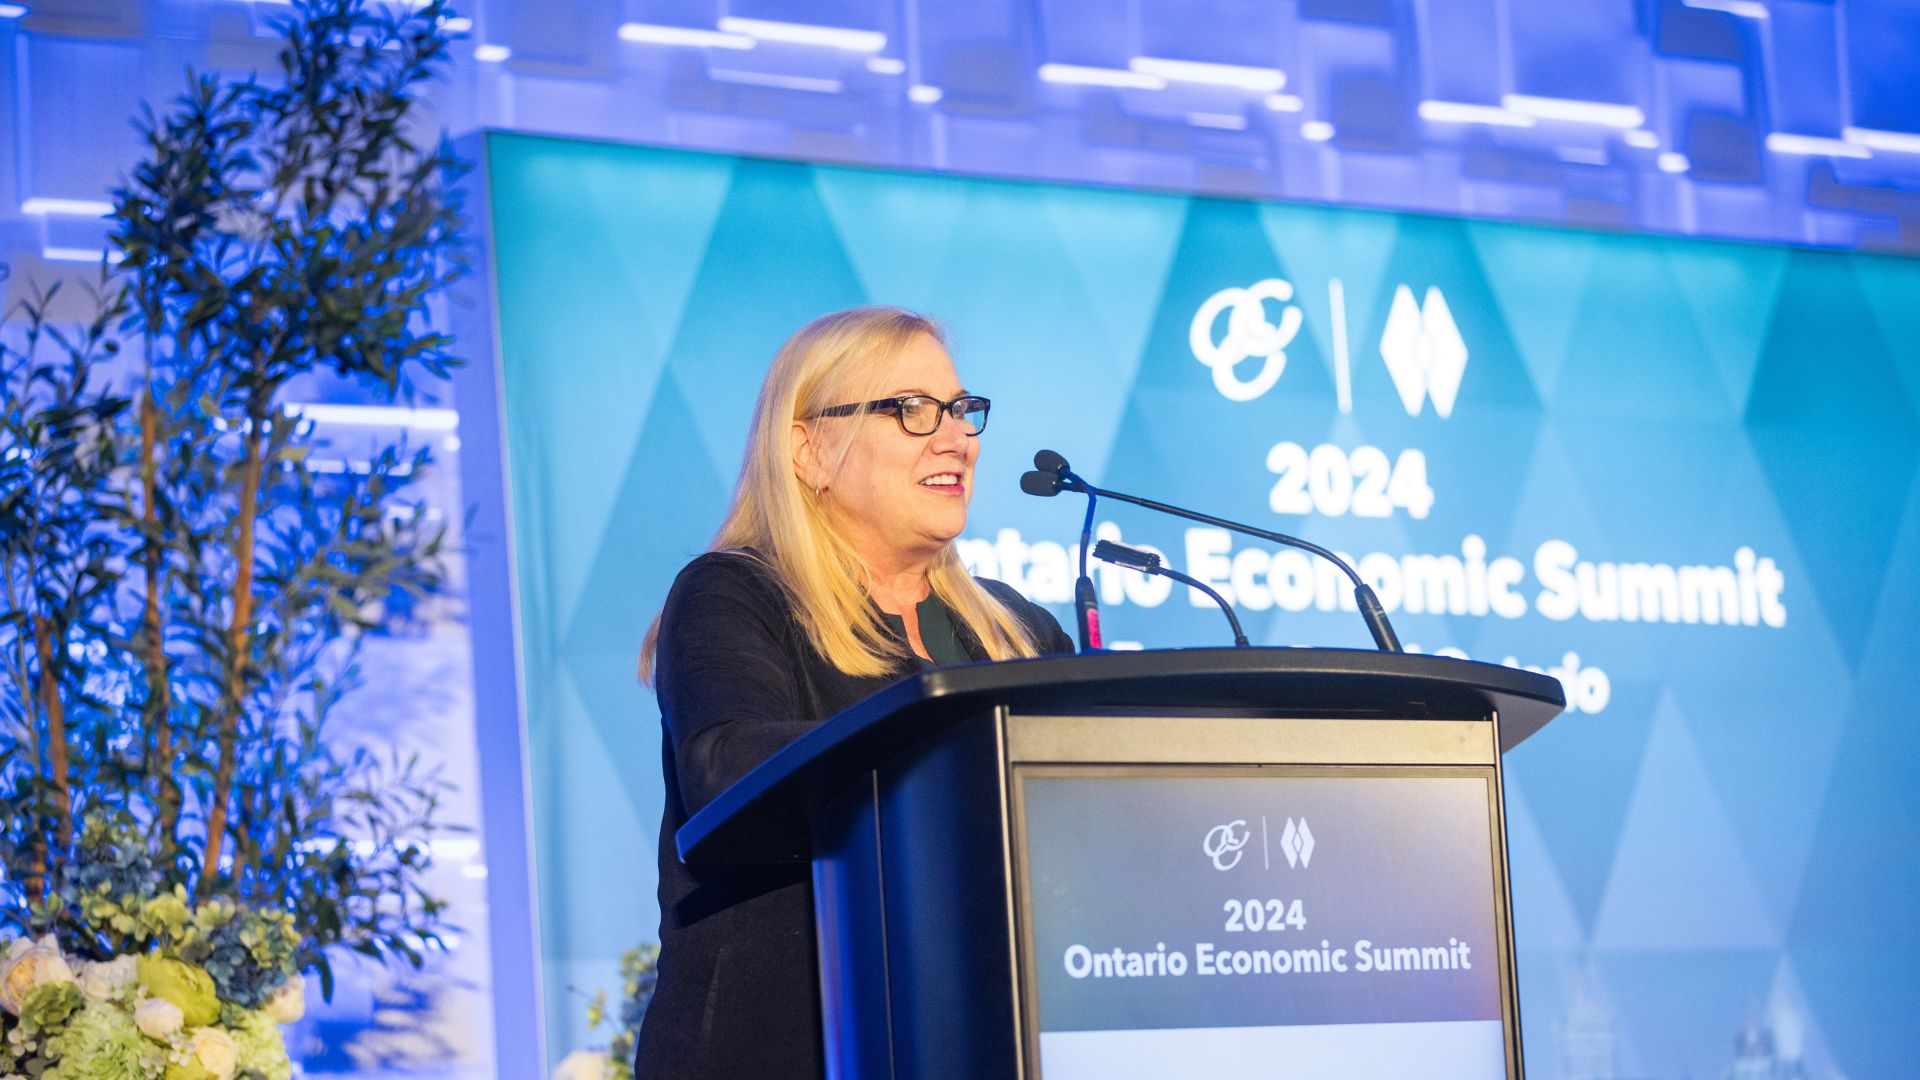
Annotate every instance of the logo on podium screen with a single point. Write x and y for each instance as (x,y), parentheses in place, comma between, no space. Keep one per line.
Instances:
(1296,840)
(1226,843)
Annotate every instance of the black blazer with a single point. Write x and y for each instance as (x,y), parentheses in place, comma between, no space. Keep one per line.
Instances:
(738,996)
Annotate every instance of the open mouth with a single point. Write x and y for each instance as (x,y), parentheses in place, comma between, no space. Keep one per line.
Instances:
(942,482)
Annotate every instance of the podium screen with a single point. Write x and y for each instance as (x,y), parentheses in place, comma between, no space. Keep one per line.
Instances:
(1317,923)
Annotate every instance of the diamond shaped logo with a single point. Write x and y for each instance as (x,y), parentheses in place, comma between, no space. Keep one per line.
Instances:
(1424,352)
(1296,840)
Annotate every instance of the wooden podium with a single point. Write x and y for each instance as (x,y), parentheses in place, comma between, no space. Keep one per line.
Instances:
(912,807)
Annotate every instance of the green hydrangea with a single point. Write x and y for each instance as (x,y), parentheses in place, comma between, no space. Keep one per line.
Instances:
(167,915)
(46,1007)
(249,952)
(261,1050)
(210,916)
(100,1042)
(165,918)
(100,909)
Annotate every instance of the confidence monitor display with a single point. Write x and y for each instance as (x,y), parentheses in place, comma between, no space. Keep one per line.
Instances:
(1329,923)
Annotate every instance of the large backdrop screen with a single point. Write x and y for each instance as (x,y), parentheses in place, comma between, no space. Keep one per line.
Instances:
(1679,475)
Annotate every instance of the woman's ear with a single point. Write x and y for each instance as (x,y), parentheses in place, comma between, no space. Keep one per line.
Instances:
(807,465)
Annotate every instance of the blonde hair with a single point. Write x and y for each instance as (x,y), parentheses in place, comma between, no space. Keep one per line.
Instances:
(775,517)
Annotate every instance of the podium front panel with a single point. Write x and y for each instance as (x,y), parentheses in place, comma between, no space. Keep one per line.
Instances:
(1334,920)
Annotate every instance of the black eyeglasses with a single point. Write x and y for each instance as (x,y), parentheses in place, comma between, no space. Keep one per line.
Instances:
(920,414)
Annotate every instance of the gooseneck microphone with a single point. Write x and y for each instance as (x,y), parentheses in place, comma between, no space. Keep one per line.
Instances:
(1148,563)
(1047,468)
(1052,476)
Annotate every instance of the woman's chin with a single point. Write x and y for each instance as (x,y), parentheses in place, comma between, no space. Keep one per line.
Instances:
(947,528)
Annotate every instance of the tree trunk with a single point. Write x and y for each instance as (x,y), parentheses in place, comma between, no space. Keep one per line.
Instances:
(233,701)
(159,685)
(56,729)
(34,881)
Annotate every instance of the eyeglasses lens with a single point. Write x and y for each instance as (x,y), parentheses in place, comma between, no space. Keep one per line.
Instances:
(972,414)
(921,415)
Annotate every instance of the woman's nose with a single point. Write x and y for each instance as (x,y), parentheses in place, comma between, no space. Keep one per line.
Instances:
(951,437)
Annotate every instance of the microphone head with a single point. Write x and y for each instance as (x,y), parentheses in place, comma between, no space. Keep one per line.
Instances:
(1043,484)
(1050,462)
(1132,558)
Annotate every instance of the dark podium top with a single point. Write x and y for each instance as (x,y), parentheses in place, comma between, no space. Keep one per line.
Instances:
(762,818)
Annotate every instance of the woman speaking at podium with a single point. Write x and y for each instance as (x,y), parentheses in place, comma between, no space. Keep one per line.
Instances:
(833,575)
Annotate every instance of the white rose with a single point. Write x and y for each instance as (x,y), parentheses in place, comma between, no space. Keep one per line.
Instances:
(289,1003)
(109,979)
(582,1065)
(28,965)
(216,1052)
(158,1019)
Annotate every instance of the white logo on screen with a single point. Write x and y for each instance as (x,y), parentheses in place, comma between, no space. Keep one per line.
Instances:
(1250,335)
(1297,841)
(1226,843)
(1424,352)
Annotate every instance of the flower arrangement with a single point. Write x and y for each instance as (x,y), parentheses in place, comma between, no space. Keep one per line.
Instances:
(198,992)
(637,978)
(185,591)
(156,1014)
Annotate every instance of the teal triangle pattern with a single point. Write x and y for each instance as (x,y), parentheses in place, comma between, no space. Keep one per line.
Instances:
(1768,743)
(1535,276)
(580,791)
(1640,352)
(658,220)
(669,500)
(1892,290)
(1120,248)
(775,242)
(1730,291)
(1543,914)
(872,211)
(1862,874)
(1581,824)
(668,503)
(1835,433)
(1679,881)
